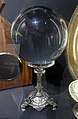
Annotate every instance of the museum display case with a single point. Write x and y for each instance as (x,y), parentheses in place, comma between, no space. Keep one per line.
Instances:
(57,79)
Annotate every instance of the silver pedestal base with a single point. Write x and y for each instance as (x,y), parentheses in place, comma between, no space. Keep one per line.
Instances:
(38,100)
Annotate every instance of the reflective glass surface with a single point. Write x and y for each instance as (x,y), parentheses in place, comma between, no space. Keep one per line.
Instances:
(10,67)
(40,35)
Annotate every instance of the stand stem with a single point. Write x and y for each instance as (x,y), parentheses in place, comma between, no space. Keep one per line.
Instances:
(39,73)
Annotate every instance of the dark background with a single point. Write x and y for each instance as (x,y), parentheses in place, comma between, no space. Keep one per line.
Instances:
(57,77)
(64,7)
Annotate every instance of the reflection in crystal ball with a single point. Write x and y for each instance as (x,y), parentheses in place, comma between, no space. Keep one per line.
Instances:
(40,35)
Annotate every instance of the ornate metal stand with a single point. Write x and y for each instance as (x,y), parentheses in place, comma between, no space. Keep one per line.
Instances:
(38,98)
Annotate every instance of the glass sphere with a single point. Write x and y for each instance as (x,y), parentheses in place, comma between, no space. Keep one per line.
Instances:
(39,34)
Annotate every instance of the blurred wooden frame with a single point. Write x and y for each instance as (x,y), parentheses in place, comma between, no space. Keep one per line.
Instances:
(2,4)
(6,45)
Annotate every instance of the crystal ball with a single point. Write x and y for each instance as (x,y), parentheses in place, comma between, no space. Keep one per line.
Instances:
(39,34)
